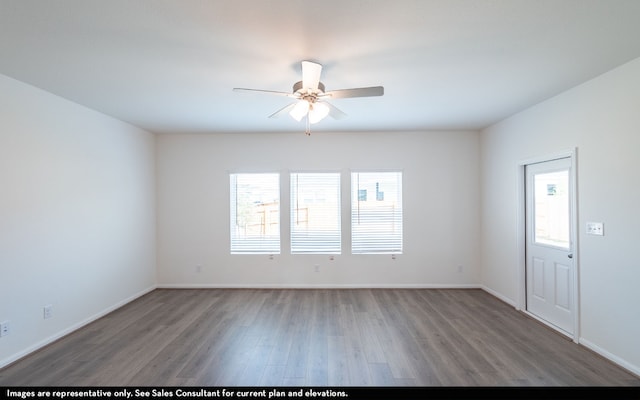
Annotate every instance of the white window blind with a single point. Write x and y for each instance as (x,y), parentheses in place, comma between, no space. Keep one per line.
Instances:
(255,213)
(315,213)
(376,212)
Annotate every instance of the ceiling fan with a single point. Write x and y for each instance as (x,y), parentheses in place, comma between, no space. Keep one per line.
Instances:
(310,96)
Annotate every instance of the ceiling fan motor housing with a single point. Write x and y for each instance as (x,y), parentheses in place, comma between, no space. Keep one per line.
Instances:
(307,93)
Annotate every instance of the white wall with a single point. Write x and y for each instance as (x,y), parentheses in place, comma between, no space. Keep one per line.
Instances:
(601,118)
(440,192)
(77,215)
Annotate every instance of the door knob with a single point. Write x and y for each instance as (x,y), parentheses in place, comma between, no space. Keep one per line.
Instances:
(570,255)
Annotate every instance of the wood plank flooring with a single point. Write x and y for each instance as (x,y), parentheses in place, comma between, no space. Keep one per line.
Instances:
(315,337)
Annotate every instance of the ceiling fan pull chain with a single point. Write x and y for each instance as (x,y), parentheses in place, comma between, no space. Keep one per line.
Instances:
(307,131)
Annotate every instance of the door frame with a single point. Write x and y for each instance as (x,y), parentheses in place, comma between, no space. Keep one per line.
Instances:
(522,237)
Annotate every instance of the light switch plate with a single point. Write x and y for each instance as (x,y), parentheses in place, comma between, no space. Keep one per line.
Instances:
(595,228)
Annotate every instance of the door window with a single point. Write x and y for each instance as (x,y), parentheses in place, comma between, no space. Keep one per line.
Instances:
(551,222)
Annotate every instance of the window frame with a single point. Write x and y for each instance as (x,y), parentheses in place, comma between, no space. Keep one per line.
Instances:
(266,245)
(357,248)
(336,236)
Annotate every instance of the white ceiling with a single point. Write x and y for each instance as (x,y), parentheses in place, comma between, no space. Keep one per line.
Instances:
(170,65)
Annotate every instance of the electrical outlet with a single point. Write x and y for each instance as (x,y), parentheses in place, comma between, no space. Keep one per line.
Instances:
(5,328)
(317,267)
(48,311)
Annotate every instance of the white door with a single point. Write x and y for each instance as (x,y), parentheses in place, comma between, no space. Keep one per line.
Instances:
(549,265)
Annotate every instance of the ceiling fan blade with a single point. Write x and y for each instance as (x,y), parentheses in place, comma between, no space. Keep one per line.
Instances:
(283,110)
(286,94)
(310,75)
(334,111)
(356,92)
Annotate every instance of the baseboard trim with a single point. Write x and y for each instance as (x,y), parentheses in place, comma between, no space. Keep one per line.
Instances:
(634,369)
(591,346)
(39,345)
(499,296)
(315,286)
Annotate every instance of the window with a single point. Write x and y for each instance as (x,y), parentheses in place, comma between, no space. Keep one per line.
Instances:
(376,212)
(255,213)
(551,221)
(315,213)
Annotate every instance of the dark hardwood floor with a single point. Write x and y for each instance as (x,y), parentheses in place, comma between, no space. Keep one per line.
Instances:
(315,337)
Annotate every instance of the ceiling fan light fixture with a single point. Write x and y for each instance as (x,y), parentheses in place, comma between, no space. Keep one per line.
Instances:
(300,110)
(317,112)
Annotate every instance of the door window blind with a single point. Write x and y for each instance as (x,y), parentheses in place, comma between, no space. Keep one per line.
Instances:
(376,212)
(255,213)
(315,213)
